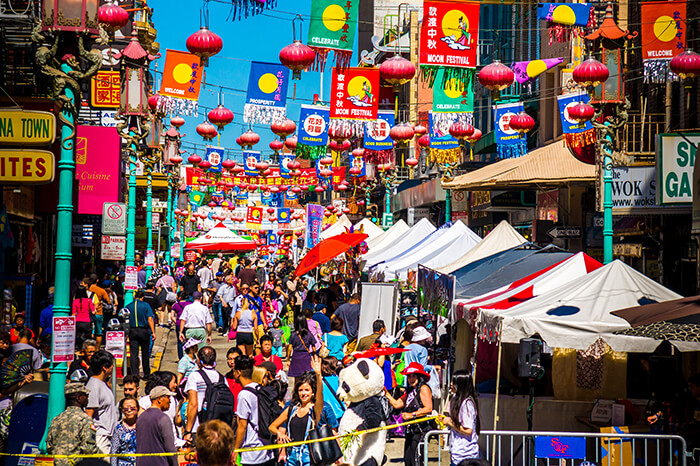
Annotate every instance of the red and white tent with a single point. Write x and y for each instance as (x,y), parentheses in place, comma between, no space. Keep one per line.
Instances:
(221,238)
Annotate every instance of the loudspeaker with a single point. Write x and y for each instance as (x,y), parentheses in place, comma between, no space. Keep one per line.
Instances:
(529,358)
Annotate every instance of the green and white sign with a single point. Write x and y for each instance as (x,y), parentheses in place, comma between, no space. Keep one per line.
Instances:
(675,162)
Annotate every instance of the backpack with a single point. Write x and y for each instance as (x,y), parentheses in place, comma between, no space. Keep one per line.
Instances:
(218,400)
(268,410)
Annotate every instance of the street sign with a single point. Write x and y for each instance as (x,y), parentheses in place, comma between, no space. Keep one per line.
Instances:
(113,248)
(150,259)
(155,218)
(63,340)
(566,232)
(113,218)
(131,278)
(387,220)
(156,204)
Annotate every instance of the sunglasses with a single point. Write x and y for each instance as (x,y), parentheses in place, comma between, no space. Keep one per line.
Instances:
(128,410)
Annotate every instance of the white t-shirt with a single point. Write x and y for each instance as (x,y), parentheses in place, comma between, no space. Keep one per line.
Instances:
(196,315)
(247,408)
(205,276)
(465,447)
(196,382)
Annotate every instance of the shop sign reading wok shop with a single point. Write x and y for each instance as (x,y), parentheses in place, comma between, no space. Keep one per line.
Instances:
(675,161)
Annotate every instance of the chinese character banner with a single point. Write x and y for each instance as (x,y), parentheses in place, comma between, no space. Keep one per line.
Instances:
(663,37)
(354,93)
(182,78)
(333,25)
(266,100)
(509,143)
(313,131)
(377,132)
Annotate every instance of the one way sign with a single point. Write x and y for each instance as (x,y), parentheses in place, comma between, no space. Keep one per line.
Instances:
(566,232)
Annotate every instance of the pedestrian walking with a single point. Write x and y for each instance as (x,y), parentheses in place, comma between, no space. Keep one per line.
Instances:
(82,309)
(142,331)
(175,313)
(350,313)
(196,388)
(124,435)
(166,288)
(188,362)
(154,431)
(278,338)
(196,321)
(72,432)
(267,355)
(83,362)
(102,406)
(189,283)
(216,305)
(301,346)
(245,324)
(463,418)
(366,342)
(227,297)
(215,444)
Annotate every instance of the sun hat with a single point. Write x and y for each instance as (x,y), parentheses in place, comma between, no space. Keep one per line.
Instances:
(190,343)
(420,334)
(415,369)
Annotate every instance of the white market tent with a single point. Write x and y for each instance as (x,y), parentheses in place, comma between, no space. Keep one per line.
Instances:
(458,239)
(499,239)
(388,237)
(408,240)
(578,313)
(221,238)
(342,225)
(369,228)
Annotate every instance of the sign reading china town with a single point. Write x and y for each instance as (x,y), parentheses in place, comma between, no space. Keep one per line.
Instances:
(27,127)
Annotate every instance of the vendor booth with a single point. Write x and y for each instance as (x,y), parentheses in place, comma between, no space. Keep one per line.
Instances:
(388,237)
(406,241)
(221,239)
(370,229)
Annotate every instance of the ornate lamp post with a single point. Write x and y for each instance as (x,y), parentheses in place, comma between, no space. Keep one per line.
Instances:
(172,160)
(68,23)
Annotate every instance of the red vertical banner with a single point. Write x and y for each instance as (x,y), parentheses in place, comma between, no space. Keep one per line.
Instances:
(254,215)
(449,34)
(663,29)
(355,93)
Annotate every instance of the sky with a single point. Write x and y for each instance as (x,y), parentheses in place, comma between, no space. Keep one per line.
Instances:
(257,38)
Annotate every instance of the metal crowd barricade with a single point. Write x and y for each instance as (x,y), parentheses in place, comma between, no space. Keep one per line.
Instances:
(518,448)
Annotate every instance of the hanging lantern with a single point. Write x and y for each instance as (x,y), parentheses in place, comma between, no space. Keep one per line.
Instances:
(228,164)
(274,189)
(291,144)
(460,130)
(270,210)
(176,159)
(345,146)
(424,141)
(220,116)
(319,189)
(177,121)
(496,76)
(283,128)
(355,171)
(262,166)
(276,145)
(411,162)
(581,112)
(342,187)
(339,133)
(297,57)
(239,141)
(590,73)
(237,170)
(212,204)
(326,161)
(419,130)
(686,64)
(194,159)
(249,138)
(204,44)
(397,71)
(205,165)
(206,130)
(475,136)
(402,133)
(69,15)
(334,145)
(112,17)
(522,123)
(153,102)
(358,152)
(326,173)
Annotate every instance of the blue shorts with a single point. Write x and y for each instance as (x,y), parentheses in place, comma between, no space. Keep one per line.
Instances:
(97,321)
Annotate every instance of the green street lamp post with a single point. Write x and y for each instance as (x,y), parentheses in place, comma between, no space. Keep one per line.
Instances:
(172,160)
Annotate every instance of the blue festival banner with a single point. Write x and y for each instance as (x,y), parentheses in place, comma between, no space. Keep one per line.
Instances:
(568,14)
(377,132)
(215,155)
(567,101)
(277,199)
(283,215)
(358,162)
(272,238)
(241,194)
(290,195)
(313,125)
(251,159)
(266,198)
(266,100)
(285,160)
(440,139)
(509,143)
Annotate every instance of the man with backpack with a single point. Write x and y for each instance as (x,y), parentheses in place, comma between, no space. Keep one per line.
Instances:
(255,412)
(208,395)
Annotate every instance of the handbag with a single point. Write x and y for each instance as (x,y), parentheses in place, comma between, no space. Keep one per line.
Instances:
(324,351)
(323,453)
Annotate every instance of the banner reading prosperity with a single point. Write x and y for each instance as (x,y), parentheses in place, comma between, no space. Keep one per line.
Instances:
(266,99)
(182,78)
(509,143)
(354,93)
(377,132)
(663,29)
(333,25)
(448,38)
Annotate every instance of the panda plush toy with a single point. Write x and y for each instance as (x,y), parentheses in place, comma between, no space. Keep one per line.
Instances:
(362,385)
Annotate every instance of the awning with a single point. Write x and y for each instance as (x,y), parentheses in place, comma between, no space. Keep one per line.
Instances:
(551,165)
(416,196)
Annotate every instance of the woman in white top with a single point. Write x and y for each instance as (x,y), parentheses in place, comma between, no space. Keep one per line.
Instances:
(245,323)
(463,419)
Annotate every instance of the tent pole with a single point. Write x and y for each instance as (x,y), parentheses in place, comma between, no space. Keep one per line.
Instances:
(498,390)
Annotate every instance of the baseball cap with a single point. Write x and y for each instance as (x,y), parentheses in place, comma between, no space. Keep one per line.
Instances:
(159,391)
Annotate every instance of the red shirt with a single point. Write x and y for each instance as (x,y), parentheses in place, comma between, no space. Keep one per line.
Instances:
(235,388)
(277,361)
(14,335)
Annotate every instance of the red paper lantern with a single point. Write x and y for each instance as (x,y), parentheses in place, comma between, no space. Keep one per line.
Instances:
(355,171)
(262,166)
(220,116)
(334,145)
(358,152)
(204,44)
(591,73)
(460,130)
(249,138)
(297,57)
(276,145)
(206,130)
(228,164)
(212,204)
(270,210)
(397,70)
(339,133)
(401,133)
(475,136)
(522,122)
(194,159)
(345,146)
(153,102)
(326,161)
(177,121)
(176,159)
(237,170)
(424,141)
(496,76)
(342,187)
(283,128)
(411,161)
(419,130)
(291,143)
(686,64)
(205,165)
(581,112)
(112,17)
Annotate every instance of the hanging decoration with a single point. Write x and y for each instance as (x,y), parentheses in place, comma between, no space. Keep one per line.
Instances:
(451,104)
(354,98)
(448,39)
(378,145)
(250,162)
(182,78)
(509,142)
(576,133)
(241,9)
(215,156)
(204,44)
(266,100)
(443,148)
(358,167)
(663,27)
(313,132)
(297,56)
(206,130)
(287,165)
(528,71)
(333,25)
(565,20)
(220,116)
